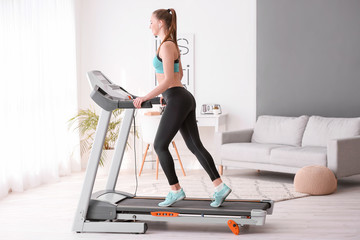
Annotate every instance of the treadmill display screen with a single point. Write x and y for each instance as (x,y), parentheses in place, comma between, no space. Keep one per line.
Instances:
(102,78)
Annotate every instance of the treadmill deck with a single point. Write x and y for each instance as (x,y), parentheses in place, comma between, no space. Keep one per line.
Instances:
(191,206)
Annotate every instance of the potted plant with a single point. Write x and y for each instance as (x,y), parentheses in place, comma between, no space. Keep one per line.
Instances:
(86,122)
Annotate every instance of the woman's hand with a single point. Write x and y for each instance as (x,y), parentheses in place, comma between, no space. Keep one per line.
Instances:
(138,101)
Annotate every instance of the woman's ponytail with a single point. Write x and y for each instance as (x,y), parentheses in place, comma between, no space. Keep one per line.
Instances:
(169,18)
(173,24)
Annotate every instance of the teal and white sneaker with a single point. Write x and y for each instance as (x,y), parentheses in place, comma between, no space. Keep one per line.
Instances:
(172,198)
(219,197)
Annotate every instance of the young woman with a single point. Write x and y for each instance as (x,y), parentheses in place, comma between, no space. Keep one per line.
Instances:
(179,112)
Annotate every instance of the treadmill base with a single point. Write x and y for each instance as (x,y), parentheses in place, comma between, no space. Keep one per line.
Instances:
(115,227)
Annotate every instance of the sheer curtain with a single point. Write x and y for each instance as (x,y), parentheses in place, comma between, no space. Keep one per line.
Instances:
(38,92)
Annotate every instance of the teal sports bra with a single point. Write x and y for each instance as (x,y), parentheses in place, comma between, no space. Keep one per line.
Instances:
(158,65)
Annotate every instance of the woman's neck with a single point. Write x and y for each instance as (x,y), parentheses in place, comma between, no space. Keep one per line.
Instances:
(162,35)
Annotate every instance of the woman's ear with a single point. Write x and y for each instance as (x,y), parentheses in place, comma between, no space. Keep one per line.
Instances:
(160,23)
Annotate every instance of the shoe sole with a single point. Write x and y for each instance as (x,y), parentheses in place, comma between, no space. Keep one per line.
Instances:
(172,203)
(222,201)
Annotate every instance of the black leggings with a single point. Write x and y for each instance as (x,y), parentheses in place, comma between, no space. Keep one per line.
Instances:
(179,114)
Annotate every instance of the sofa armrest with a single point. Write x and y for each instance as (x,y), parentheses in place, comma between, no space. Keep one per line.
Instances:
(344,156)
(230,137)
(235,136)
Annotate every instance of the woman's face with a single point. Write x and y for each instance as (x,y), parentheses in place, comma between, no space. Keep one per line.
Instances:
(154,25)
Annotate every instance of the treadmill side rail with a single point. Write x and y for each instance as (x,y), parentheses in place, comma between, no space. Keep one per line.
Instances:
(190,218)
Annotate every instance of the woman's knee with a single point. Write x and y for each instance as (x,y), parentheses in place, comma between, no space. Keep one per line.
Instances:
(191,147)
(160,147)
(194,146)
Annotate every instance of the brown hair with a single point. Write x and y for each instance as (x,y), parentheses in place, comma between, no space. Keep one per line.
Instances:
(168,16)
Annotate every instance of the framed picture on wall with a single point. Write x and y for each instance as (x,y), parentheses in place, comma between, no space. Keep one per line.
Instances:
(186,47)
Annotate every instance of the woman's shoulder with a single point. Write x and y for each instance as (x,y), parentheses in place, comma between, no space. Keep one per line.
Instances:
(168,47)
(168,44)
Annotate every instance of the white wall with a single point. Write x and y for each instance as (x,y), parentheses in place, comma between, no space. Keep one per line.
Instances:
(114,37)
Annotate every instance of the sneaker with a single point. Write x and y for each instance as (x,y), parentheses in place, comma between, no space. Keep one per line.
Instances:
(172,198)
(219,197)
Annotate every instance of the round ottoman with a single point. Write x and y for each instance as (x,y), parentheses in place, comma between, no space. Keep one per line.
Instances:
(315,180)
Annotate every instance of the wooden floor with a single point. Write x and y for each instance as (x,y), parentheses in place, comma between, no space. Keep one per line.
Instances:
(47,212)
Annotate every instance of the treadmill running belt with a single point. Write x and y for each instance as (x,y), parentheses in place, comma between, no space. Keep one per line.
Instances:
(201,207)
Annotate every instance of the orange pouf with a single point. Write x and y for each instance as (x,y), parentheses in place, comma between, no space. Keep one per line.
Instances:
(315,180)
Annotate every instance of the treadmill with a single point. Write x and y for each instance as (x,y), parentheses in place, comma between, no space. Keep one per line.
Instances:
(120,212)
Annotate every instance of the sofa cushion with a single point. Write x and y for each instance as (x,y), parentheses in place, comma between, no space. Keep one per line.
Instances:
(279,130)
(298,156)
(247,152)
(320,129)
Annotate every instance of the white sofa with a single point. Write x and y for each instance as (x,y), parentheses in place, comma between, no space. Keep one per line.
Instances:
(286,144)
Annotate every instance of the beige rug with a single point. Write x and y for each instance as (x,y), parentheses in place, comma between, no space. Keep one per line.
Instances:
(199,186)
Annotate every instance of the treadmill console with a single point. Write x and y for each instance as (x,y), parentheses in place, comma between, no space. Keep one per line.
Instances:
(110,96)
(96,78)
